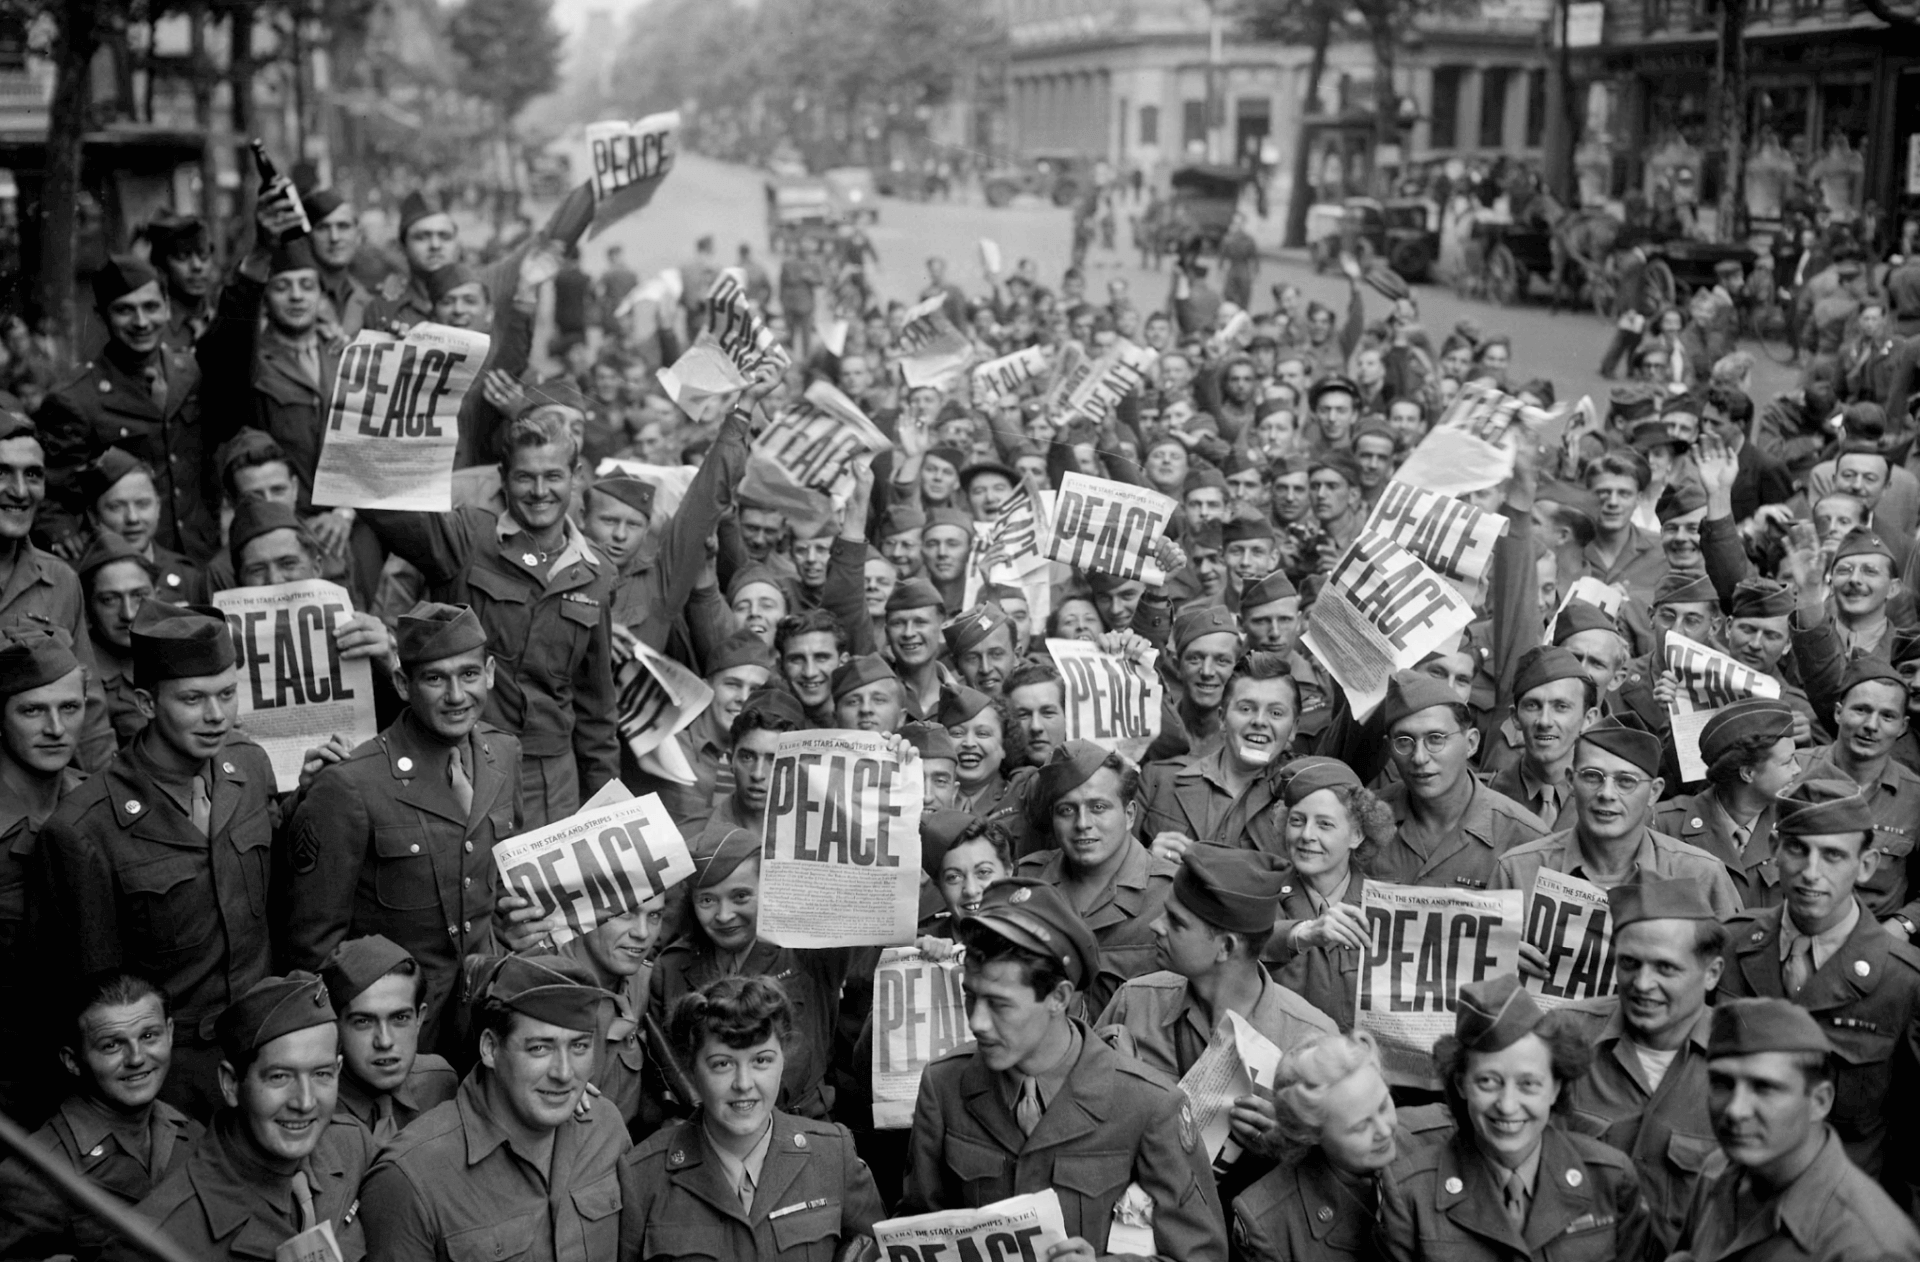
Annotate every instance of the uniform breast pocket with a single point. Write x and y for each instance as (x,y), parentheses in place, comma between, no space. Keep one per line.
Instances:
(984,1170)
(1590,1239)
(810,1234)
(668,1242)
(1892,843)
(510,1239)
(598,1205)
(1866,1062)
(504,603)
(170,901)
(253,838)
(403,871)
(1690,1154)
(1094,1181)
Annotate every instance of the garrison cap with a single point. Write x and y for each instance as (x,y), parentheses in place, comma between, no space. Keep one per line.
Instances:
(959,704)
(938,832)
(1569,495)
(1860,542)
(1637,746)
(1679,499)
(749,575)
(1275,586)
(775,703)
(253,518)
(1743,1027)
(915,593)
(1098,583)
(433,632)
(952,455)
(1035,915)
(858,672)
(1376,429)
(1495,1013)
(104,472)
(1204,535)
(108,547)
(717,864)
(900,519)
(179,642)
(633,492)
(358,963)
(1753,716)
(1340,462)
(120,276)
(272,1007)
(931,739)
(1818,807)
(1677,588)
(1658,900)
(1762,598)
(1207,620)
(1578,616)
(33,657)
(17,425)
(1247,526)
(1544,665)
(1230,888)
(742,648)
(321,202)
(1072,765)
(449,278)
(413,208)
(1204,475)
(254,446)
(1410,691)
(1865,670)
(1304,777)
(973,626)
(1627,404)
(957,518)
(293,256)
(550,988)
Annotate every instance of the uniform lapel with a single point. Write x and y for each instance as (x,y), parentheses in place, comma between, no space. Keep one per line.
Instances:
(1851,972)
(1757,955)
(1466,1195)
(1077,1110)
(1195,796)
(692,1165)
(489,776)
(981,1087)
(783,1165)
(419,769)
(228,787)
(1560,1192)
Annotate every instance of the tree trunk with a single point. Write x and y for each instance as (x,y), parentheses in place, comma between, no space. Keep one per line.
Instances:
(71,107)
(240,112)
(1296,234)
(1563,117)
(1733,109)
(1386,103)
(200,81)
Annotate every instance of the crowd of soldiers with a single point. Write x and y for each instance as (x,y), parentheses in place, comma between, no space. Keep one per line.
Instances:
(262,1013)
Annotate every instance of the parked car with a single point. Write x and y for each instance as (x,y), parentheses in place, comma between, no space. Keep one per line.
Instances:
(854,194)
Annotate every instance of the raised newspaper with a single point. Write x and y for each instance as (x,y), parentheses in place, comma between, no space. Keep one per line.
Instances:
(1018,1229)
(1425,942)
(1117,374)
(1105,527)
(1452,536)
(841,863)
(1237,1059)
(738,329)
(295,688)
(1111,701)
(603,861)
(930,349)
(818,435)
(393,421)
(1709,682)
(656,697)
(1382,610)
(919,1015)
(1568,920)
(1003,377)
(630,163)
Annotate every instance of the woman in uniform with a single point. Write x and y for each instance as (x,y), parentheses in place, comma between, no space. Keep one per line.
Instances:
(990,749)
(1512,1182)
(1333,825)
(741,1180)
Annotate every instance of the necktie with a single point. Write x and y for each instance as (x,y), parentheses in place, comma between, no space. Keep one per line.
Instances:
(202,806)
(1026,1111)
(457,776)
(746,1189)
(303,1202)
(1742,834)
(383,1125)
(1799,969)
(1516,1199)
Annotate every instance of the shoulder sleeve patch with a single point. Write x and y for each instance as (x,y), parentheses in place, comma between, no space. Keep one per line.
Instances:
(1189,1133)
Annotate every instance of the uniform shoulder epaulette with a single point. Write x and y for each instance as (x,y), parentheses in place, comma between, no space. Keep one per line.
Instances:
(1144,1072)
(432,1126)
(75,377)
(1906,952)
(1595,1153)
(654,1147)
(963,1052)
(1419,1160)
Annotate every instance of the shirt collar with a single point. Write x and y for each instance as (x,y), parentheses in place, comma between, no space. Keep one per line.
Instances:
(1827,941)
(576,547)
(93,1122)
(1051,1080)
(752,1163)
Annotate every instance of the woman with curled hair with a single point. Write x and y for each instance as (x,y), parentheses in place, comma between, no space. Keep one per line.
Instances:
(1336,1131)
(1749,751)
(740,1179)
(1332,827)
(1512,1181)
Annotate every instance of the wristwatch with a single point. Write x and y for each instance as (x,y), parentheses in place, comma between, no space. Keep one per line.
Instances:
(1903,922)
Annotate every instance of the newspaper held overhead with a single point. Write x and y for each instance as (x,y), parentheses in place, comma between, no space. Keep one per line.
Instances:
(1452,536)
(295,688)
(1382,610)
(658,697)
(931,351)
(1606,597)
(393,421)
(630,163)
(919,1015)
(1119,373)
(1002,378)
(1568,920)
(700,379)
(1111,701)
(1425,943)
(1709,682)
(1018,1229)
(1238,1058)
(600,862)
(841,864)
(1105,527)
(816,438)
(738,329)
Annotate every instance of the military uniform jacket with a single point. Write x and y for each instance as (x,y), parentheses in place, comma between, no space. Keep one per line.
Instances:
(1302,1210)
(223,1204)
(1465,858)
(1186,795)
(431,1082)
(36,1222)
(1894,800)
(454,1188)
(1122,921)
(1866,998)
(111,405)
(1114,1122)
(22,903)
(1325,976)
(43,591)
(380,845)
(1440,1203)
(1167,1032)
(1666,1131)
(134,885)
(1658,857)
(1698,820)
(550,634)
(814,1195)
(1831,1213)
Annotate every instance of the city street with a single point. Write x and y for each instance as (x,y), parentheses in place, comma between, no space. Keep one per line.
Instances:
(704,196)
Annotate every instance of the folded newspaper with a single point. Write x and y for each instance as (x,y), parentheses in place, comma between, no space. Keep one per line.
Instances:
(1019,1228)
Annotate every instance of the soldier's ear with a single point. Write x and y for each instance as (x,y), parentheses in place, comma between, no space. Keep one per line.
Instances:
(229,1084)
(400,684)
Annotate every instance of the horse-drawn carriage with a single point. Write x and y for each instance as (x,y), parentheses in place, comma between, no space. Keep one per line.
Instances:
(1567,249)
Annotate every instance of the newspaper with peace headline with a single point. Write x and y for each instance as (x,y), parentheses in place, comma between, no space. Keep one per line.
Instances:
(1709,682)
(656,698)
(1382,610)
(919,1015)
(604,860)
(1568,920)
(1425,942)
(930,350)
(818,436)
(630,163)
(1110,701)
(841,862)
(1450,535)
(1237,1059)
(1117,374)
(295,688)
(1018,1229)
(1002,378)
(1105,527)
(393,419)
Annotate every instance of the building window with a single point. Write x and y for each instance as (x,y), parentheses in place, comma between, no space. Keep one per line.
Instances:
(1493,107)
(1149,124)
(1443,130)
(1657,14)
(1536,107)
(1193,122)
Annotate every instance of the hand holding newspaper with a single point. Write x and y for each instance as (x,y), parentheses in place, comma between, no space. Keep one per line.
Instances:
(1709,681)
(1238,1058)
(1018,1229)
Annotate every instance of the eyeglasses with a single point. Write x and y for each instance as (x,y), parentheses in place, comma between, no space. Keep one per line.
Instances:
(1432,742)
(1595,780)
